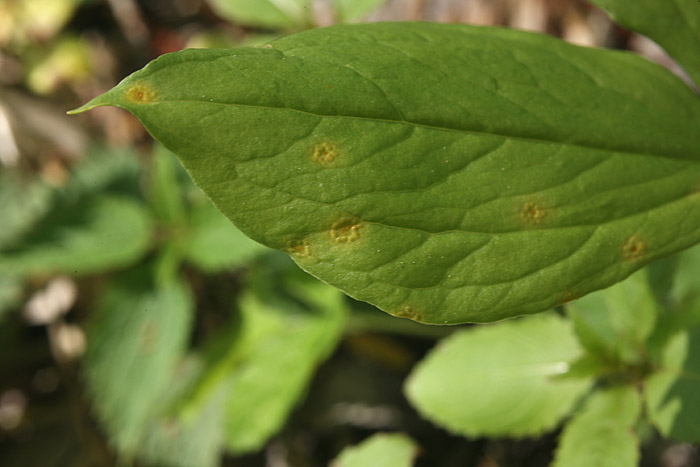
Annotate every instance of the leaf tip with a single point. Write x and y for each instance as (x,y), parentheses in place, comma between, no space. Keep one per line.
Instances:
(99,101)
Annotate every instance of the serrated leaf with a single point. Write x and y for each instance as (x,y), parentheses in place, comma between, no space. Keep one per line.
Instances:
(672,392)
(446,173)
(380,450)
(601,434)
(135,340)
(500,380)
(615,323)
(94,234)
(349,10)
(674,24)
(283,14)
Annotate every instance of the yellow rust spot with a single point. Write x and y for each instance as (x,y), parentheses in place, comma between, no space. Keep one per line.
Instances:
(325,153)
(634,248)
(299,248)
(141,92)
(346,230)
(533,213)
(410,313)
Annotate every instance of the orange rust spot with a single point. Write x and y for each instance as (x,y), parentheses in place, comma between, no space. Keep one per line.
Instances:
(410,313)
(346,230)
(532,213)
(149,337)
(141,93)
(325,153)
(299,248)
(634,248)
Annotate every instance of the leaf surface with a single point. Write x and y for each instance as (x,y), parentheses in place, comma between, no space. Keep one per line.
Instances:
(602,432)
(349,10)
(673,391)
(93,234)
(673,24)
(380,450)
(500,380)
(615,323)
(137,337)
(283,14)
(445,173)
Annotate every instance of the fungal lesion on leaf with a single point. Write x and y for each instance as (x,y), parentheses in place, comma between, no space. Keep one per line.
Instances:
(299,248)
(346,230)
(325,153)
(141,92)
(533,213)
(634,248)
(410,313)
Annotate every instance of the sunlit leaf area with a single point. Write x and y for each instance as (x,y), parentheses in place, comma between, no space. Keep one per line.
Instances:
(349,233)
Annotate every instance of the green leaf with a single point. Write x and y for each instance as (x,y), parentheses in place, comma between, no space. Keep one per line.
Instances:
(673,391)
(615,323)
(166,195)
(686,283)
(500,380)
(380,450)
(674,24)
(446,173)
(137,337)
(349,10)
(601,434)
(282,14)
(92,235)
(266,362)
(214,243)
(22,204)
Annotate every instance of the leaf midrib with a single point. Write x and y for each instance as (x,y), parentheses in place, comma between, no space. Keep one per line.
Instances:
(531,140)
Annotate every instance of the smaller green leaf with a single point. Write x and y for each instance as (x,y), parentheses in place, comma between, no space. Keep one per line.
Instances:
(380,450)
(181,438)
(165,191)
(673,391)
(350,10)
(686,284)
(215,243)
(674,24)
(135,340)
(21,205)
(614,323)
(602,433)
(276,14)
(94,234)
(501,379)
(278,367)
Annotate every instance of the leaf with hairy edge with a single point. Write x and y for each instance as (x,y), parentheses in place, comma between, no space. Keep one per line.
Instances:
(673,391)
(674,24)
(380,450)
(137,337)
(445,173)
(500,380)
(602,433)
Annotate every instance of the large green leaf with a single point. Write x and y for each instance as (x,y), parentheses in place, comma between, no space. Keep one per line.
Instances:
(615,323)
(93,234)
(673,391)
(283,14)
(135,340)
(602,433)
(446,173)
(380,450)
(674,24)
(500,380)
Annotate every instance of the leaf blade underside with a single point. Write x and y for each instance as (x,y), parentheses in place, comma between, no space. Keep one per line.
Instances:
(445,173)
